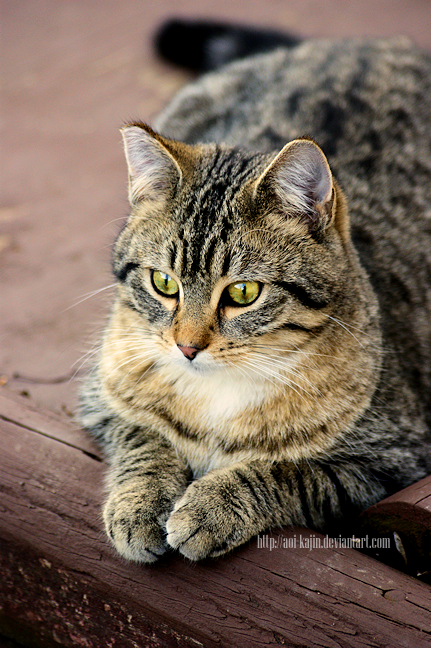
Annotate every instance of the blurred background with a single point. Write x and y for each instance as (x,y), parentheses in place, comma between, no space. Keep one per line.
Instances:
(73,71)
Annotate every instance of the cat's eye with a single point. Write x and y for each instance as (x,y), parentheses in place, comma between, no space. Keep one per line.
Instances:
(243,293)
(164,284)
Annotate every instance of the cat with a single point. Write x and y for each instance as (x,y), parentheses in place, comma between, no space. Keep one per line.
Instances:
(267,360)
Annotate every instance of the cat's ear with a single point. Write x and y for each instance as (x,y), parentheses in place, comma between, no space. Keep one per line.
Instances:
(301,179)
(153,171)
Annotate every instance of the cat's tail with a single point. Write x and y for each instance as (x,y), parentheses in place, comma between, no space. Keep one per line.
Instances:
(206,45)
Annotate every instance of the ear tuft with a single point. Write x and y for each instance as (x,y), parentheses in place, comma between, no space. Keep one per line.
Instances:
(301,178)
(153,172)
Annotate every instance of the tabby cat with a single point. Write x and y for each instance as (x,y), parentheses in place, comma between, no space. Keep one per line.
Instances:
(267,360)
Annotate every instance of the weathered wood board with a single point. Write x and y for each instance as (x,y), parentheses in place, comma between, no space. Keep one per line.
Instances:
(62,584)
(405,520)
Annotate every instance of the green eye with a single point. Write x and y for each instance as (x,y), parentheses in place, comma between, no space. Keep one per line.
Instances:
(164,284)
(244,293)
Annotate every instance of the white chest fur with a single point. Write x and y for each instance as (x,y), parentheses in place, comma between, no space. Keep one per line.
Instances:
(218,393)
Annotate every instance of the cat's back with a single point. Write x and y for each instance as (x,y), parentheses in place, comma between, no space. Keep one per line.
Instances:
(366,102)
(328,88)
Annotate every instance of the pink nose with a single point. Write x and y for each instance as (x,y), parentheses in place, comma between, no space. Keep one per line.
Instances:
(189,351)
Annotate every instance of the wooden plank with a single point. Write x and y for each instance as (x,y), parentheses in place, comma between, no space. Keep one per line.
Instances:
(24,412)
(405,520)
(63,585)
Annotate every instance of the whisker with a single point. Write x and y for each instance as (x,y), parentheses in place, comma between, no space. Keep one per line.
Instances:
(269,362)
(83,360)
(266,367)
(243,373)
(296,350)
(133,346)
(88,296)
(350,326)
(255,368)
(287,383)
(114,220)
(307,354)
(340,323)
(136,356)
(150,366)
(282,362)
(284,380)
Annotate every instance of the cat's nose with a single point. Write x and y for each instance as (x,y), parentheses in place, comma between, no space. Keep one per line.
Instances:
(189,351)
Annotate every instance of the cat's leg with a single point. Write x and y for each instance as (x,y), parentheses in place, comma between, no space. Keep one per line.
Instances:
(146,477)
(228,506)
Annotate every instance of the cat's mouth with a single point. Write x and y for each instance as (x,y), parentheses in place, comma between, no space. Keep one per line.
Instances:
(197,364)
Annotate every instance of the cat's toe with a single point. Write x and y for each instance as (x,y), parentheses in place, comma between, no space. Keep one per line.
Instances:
(196,530)
(135,534)
(189,536)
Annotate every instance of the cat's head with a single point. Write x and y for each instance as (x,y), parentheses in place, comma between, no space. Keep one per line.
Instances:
(227,251)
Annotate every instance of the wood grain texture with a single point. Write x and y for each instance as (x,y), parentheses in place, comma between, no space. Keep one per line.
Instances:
(62,584)
(405,520)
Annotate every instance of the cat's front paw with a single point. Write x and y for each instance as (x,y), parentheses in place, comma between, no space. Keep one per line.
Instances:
(135,526)
(208,521)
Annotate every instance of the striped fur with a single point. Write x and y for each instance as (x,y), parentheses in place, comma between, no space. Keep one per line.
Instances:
(312,402)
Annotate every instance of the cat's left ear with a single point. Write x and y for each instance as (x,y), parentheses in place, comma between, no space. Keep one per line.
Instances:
(301,179)
(153,171)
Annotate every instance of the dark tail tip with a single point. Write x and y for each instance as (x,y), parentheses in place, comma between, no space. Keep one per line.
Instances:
(206,45)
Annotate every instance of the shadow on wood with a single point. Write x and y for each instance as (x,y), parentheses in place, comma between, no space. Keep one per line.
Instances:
(62,584)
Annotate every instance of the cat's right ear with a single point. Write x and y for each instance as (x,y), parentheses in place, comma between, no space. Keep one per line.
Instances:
(300,179)
(153,171)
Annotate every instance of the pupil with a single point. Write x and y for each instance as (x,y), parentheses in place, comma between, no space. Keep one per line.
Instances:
(244,289)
